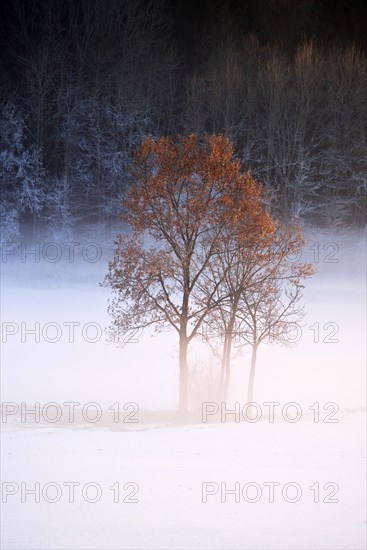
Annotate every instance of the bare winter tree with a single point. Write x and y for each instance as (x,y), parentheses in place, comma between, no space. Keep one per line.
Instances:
(21,180)
(298,121)
(260,293)
(268,315)
(90,79)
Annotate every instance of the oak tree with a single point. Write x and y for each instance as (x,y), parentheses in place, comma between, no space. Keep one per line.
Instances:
(187,199)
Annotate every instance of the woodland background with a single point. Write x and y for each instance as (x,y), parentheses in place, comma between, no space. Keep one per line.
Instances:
(84,81)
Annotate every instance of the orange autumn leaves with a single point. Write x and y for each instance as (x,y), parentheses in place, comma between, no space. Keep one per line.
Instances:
(192,213)
(185,187)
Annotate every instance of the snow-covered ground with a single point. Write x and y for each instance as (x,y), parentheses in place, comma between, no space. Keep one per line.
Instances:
(170,464)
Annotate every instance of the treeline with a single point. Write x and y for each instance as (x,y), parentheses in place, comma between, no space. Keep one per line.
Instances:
(83,81)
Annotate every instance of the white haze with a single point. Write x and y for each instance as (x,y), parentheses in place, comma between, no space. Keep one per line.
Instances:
(170,463)
(146,372)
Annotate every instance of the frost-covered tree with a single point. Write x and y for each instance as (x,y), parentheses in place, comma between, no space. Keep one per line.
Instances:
(20,177)
(61,212)
(100,139)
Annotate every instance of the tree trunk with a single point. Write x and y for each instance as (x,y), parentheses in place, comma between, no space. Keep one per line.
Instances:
(227,357)
(228,350)
(184,342)
(250,389)
(223,373)
(183,392)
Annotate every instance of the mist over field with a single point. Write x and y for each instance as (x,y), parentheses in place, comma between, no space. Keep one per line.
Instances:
(93,369)
(140,485)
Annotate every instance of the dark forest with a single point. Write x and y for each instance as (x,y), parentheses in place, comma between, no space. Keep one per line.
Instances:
(84,81)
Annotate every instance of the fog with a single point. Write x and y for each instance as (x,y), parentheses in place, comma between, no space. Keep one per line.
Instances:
(36,289)
(294,480)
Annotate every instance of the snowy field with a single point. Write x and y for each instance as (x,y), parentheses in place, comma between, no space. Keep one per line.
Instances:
(167,465)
